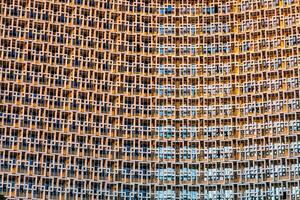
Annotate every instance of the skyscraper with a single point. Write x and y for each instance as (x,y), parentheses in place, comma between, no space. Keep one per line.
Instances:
(150,99)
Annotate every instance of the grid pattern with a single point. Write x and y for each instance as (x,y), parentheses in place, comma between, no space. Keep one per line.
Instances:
(150,99)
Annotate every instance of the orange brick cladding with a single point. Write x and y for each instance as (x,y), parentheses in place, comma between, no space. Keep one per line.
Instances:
(169,99)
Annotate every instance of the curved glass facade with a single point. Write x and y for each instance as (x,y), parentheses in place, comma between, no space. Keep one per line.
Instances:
(150,99)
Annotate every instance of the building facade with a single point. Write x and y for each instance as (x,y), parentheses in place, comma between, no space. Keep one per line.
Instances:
(150,99)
